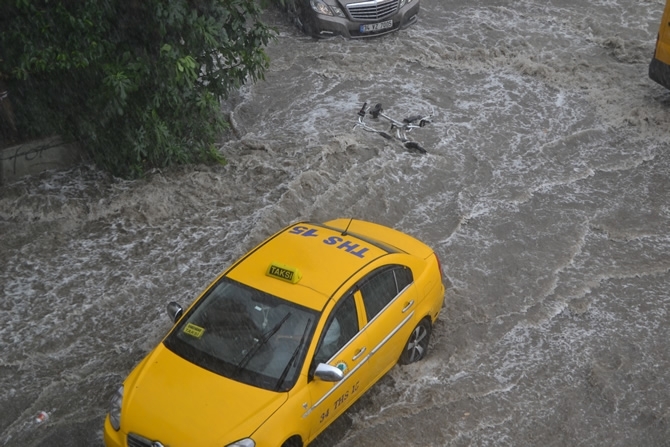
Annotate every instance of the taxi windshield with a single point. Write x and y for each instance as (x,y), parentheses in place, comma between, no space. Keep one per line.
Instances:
(246,335)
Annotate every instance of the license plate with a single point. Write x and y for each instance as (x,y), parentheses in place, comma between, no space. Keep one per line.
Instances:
(376,26)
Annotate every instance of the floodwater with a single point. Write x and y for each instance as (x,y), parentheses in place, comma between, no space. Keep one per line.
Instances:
(545,192)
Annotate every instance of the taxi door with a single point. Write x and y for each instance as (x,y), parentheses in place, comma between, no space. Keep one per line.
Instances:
(343,345)
(389,298)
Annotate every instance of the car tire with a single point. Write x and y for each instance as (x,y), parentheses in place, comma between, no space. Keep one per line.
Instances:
(295,441)
(417,345)
(304,20)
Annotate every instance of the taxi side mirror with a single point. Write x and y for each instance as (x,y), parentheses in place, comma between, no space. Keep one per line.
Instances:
(174,311)
(328,373)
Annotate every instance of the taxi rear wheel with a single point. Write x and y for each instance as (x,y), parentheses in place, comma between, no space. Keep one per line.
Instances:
(417,345)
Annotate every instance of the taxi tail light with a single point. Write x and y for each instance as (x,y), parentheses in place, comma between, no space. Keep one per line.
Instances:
(439,267)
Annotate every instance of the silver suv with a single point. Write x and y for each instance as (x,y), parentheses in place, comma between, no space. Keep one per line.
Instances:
(353,18)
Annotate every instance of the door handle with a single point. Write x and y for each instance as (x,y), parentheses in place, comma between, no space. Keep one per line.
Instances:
(358,353)
(407,306)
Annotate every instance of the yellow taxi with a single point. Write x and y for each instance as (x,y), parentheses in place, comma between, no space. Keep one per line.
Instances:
(283,341)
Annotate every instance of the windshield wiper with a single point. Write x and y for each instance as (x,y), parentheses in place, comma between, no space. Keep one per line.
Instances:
(259,344)
(292,360)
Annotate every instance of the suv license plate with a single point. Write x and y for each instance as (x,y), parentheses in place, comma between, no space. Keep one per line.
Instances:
(376,26)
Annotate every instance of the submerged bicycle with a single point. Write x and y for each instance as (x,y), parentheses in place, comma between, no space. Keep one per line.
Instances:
(400,128)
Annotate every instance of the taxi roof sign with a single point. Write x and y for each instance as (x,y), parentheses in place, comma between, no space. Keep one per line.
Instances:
(283,272)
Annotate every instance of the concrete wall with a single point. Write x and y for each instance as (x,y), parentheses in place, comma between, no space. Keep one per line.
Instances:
(36,156)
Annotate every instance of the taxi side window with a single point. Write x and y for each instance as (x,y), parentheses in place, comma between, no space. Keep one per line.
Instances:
(382,287)
(403,277)
(341,328)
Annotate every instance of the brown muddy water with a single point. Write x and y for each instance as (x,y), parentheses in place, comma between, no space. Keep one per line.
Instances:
(545,192)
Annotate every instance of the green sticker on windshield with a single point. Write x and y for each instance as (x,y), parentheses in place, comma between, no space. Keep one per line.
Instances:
(193,330)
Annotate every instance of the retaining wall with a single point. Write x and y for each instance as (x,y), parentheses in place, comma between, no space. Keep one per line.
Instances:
(37,156)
